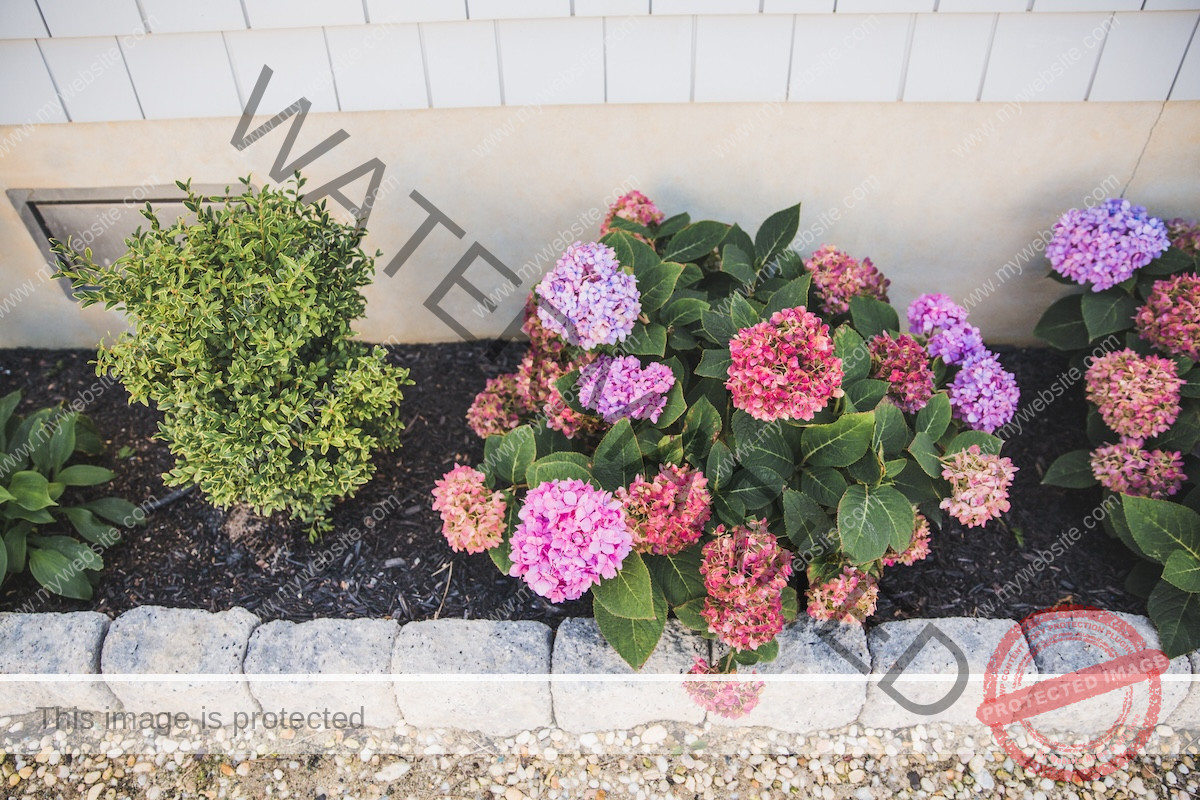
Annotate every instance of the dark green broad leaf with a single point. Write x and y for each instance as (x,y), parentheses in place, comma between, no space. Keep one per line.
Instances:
(1170,262)
(617,461)
(559,467)
(1142,578)
(868,469)
(1098,432)
(1176,615)
(118,511)
(672,226)
(737,262)
(866,394)
(718,327)
(683,311)
(501,554)
(646,340)
(1072,470)
(934,417)
(776,233)
(987,443)
(670,450)
(675,405)
(80,555)
(622,224)
(791,604)
(701,425)
(1120,527)
(891,431)
(804,520)
(632,253)
(925,452)
(720,465)
(1182,570)
(730,509)
(84,475)
(678,575)
(692,274)
(736,237)
(696,240)
(1107,312)
(792,294)
(54,571)
(1161,527)
(872,317)
(870,519)
(852,350)
(838,444)
(507,457)
(763,653)
(762,449)
(15,546)
(824,484)
(40,436)
(714,364)
(916,485)
(656,282)
(30,490)
(752,491)
(62,445)
(628,594)
(1062,325)
(3,560)
(90,528)
(689,614)
(8,404)
(633,639)
(742,313)
(1185,431)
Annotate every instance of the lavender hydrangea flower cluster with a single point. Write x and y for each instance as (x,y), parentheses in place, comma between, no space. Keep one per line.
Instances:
(1106,244)
(945,323)
(587,298)
(620,387)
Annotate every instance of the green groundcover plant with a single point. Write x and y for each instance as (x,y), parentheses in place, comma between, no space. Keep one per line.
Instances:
(35,474)
(242,338)
(701,412)
(1136,337)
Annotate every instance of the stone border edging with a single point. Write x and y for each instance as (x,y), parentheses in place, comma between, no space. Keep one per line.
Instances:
(156,640)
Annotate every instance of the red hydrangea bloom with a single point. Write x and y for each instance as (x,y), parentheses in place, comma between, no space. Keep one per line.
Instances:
(1138,396)
(633,207)
(745,571)
(979,485)
(1128,469)
(497,409)
(848,598)
(729,699)
(784,368)
(668,513)
(1170,320)
(838,277)
(1184,234)
(472,516)
(904,364)
(917,550)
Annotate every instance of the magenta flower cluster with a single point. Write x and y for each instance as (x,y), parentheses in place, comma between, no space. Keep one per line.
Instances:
(616,387)
(1138,396)
(904,364)
(745,571)
(472,516)
(784,368)
(918,548)
(1185,234)
(570,536)
(668,513)
(979,485)
(728,699)
(633,207)
(1106,244)
(945,323)
(1170,320)
(849,598)
(587,298)
(1128,469)
(983,394)
(838,277)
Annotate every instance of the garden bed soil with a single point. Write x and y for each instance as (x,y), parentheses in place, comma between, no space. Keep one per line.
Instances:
(193,555)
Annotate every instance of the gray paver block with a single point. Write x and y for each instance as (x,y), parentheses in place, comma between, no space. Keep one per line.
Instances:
(812,704)
(158,641)
(53,644)
(1069,653)
(583,706)
(1187,713)
(326,647)
(466,647)
(978,640)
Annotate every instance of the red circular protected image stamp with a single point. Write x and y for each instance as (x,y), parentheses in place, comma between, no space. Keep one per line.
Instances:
(1013,698)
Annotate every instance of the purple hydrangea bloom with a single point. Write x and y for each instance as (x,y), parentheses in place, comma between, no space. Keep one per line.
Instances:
(984,395)
(620,387)
(1106,244)
(587,298)
(934,312)
(956,343)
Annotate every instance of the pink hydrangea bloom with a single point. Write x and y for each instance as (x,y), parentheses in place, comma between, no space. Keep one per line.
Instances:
(983,394)
(497,409)
(1138,396)
(729,699)
(838,277)
(979,485)
(848,598)
(634,207)
(745,571)
(1105,244)
(1185,234)
(784,368)
(1170,320)
(1128,469)
(587,298)
(917,550)
(616,387)
(541,340)
(472,516)
(904,364)
(570,536)
(668,513)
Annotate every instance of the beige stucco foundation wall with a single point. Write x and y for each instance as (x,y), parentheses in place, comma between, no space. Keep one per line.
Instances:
(932,219)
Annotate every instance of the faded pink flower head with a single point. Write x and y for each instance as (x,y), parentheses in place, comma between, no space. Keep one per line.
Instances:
(668,513)
(497,409)
(784,368)
(848,598)
(1138,396)
(1184,234)
(541,340)
(979,485)
(918,548)
(571,535)
(904,364)
(1170,320)
(745,571)
(1126,468)
(472,516)
(838,277)
(536,377)
(633,207)
(729,699)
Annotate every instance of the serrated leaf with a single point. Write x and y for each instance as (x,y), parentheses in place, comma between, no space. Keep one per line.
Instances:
(696,240)
(656,283)
(689,615)
(720,465)
(838,444)
(1183,571)
(617,460)
(633,639)
(736,262)
(792,294)
(1176,615)
(761,448)
(558,467)
(872,317)
(646,340)
(683,311)
(823,484)
(934,417)
(852,350)
(1062,325)
(1072,470)
(869,519)
(924,452)
(1161,527)
(714,364)
(678,575)
(865,394)
(891,431)
(628,594)
(776,233)
(805,522)
(501,554)
(507,457)
(742,313)
(987,443)
(1107,312)
(718,327)
(701,425)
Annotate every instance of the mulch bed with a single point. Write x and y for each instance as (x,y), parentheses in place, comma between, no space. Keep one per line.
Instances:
(190,555)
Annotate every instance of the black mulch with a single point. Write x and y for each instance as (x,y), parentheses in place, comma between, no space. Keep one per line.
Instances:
(401,567)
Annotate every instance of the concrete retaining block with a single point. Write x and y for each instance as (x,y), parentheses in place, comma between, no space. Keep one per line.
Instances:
(1187,713)
(975,639)
(805,648)
(473,647)
(325,647)
(151,640)
(582,706)
(53,644)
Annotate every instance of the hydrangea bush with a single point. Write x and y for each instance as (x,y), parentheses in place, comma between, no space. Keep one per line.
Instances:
(703,415)
(1135,334)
